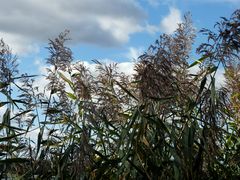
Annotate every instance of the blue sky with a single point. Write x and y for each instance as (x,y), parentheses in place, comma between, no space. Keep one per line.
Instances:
(110,30)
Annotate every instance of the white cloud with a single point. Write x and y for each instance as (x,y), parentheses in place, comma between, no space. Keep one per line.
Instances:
(152,29)
(170,23)
(99,22)
(219,76)
(18,43)
(194,70)
(41,81)
(33,135)
(134,53)
(126,68)
(120,28)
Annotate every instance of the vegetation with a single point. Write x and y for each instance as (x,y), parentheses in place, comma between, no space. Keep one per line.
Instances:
(164,122)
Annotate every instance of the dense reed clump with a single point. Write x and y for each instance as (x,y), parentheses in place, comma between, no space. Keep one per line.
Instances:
(163,122)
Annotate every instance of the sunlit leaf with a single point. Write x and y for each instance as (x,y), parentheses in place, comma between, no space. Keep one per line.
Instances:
(71,96)
(199,61)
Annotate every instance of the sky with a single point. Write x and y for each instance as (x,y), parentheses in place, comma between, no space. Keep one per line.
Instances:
(107,30)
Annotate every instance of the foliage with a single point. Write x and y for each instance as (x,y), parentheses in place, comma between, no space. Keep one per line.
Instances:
(161,123)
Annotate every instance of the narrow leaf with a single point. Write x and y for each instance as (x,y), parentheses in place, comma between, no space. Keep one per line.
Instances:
(10,137)
(127,91)
(15,160)
(66,79)
(72,96)
(3,84)
(198,61)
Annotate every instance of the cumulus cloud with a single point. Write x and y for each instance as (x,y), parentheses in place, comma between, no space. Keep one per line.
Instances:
(126,68)
(99,22)
(19,43)
(170,23)
(219,77)
(152,29)
(134,53)
(33,135)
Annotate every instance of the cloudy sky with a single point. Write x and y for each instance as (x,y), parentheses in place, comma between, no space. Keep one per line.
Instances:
(117,30)
(107,30)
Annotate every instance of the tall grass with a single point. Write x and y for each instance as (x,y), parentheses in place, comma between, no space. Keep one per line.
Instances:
(161,123)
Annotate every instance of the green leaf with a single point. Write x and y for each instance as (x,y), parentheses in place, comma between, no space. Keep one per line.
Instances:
(3,84)
(3,104)
(6,117)
(198,61)
(39,140)
(15,160)
(212,69)
(21,113)
(8,97)
(71,96)
(31,122)
(176,172)
(203,83)
(127,91)
(10,137)
(52,122)
(66,79)
(19,101)
(10,127)
(52,111)
(162,100)
(20,77)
